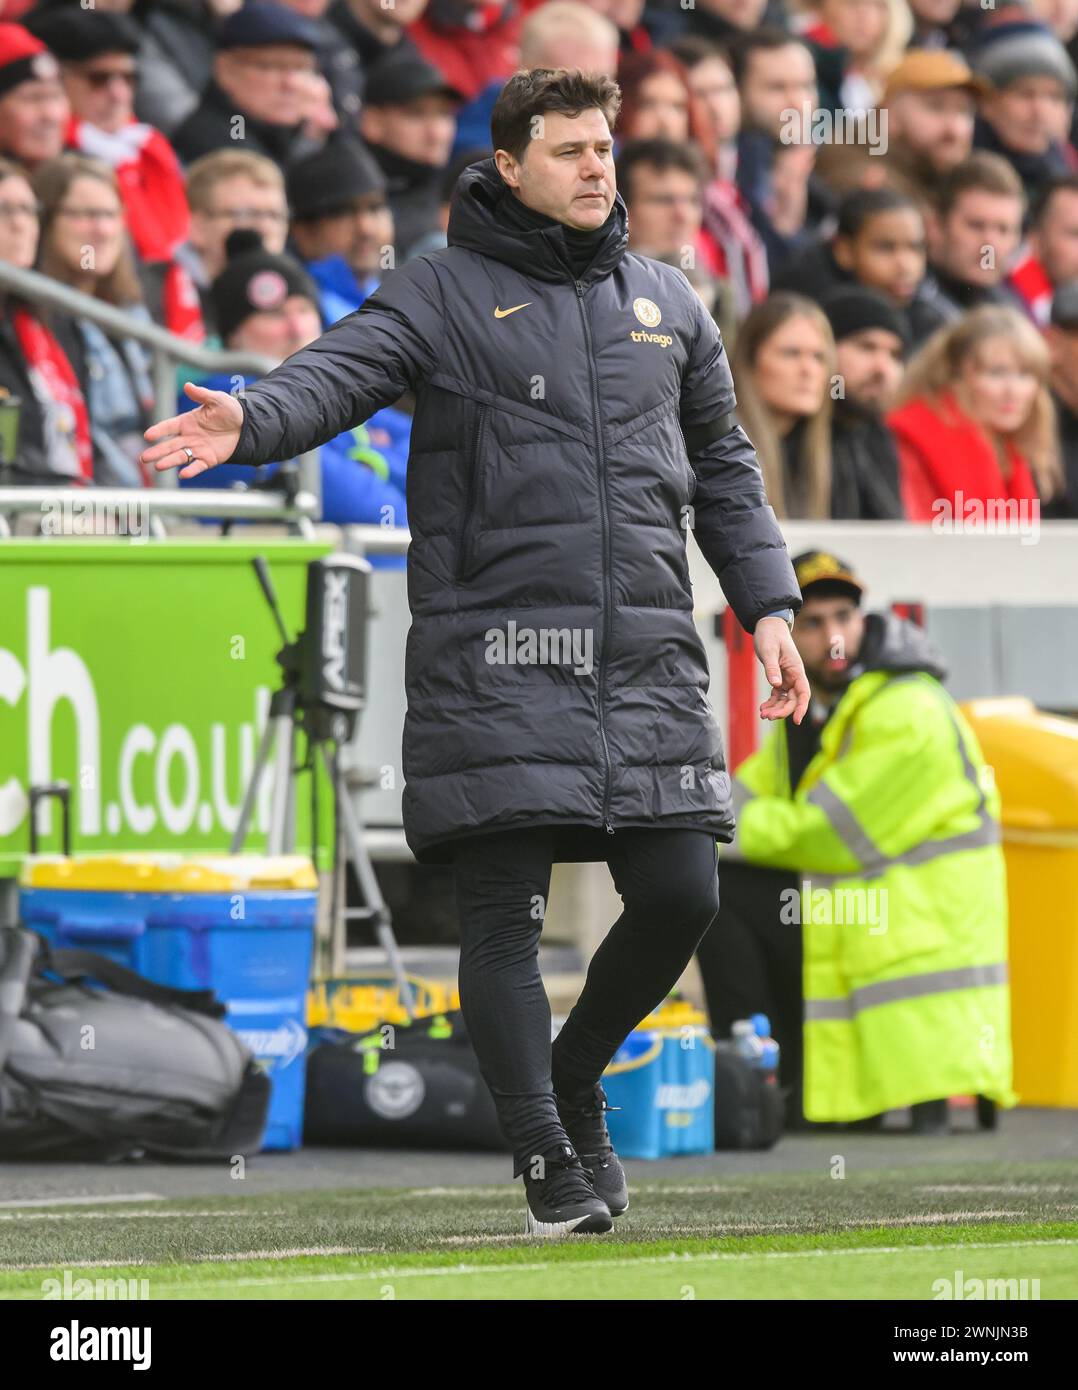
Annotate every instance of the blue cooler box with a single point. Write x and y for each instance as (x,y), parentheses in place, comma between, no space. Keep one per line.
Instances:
(663,1078)
(242,926)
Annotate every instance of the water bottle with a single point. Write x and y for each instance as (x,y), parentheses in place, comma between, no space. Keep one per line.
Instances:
(746,1042)
(769,1048)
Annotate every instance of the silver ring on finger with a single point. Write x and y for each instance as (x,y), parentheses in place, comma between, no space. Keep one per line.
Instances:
(189,453)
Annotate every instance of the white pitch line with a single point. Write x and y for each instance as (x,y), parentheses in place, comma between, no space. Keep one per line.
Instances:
(126,1215)
(1012,1189)
(696,1257)
(243,1256)
(84,1201)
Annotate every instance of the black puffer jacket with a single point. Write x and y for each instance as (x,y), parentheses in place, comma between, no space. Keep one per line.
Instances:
(564,432)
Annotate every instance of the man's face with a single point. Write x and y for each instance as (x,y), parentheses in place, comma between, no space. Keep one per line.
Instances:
(870,365)
(568,169)
(33,117)
(777,80)
(269,83)
(1063,347)
(423,129)
(238,202)
(713,85)
(827,634)
(936,125)
(859,25)
(1055,241)
(279,332)
(887,254)
(665,211)
(662,109)
(360,233)
(1029,114)
(976,240)
(101,90)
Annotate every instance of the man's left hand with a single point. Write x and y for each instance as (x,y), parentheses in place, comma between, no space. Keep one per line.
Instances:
(784,670)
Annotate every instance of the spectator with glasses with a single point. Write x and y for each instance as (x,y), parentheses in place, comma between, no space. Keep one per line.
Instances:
(81,212)
(226,190)
(98,67)
(264,88)
(37,379)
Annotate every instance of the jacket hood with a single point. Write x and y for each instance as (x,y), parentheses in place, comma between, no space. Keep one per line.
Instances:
(891,643)
(475,223)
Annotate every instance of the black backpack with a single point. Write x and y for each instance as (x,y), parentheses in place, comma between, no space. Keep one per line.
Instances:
(106,1073)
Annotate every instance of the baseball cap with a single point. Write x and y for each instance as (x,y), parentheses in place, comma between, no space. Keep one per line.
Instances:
(821,567)
(74,34)
(261,24)
(931,70)
(395,81)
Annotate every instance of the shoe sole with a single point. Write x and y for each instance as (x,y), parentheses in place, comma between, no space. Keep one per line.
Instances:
(593,1223)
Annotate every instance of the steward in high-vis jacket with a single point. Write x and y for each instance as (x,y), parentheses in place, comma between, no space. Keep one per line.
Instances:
(569,424)
(883,818)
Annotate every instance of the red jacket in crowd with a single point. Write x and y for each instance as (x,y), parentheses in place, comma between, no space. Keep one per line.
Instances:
(942,452)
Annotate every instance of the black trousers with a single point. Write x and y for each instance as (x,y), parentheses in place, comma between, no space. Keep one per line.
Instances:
(668,883)
(751,962)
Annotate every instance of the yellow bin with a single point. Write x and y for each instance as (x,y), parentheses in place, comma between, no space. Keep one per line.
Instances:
(1035,760)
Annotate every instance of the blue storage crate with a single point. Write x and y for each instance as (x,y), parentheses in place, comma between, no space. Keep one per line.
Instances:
(663,1079)
(251,945)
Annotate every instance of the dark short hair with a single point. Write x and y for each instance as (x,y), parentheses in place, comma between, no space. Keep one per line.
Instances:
(1068,183)
(660,154)
(767,39)
(534,92)
(862,203)
(982,172)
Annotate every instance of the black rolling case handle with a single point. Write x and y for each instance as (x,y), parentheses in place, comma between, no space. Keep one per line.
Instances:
(62,792)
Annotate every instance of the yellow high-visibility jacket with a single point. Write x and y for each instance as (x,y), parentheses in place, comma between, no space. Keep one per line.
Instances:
(893,829)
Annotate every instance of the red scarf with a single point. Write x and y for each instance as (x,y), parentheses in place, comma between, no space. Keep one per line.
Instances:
(68,450)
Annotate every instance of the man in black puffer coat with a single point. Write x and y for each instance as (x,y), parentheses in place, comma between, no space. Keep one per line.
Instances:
(573,415)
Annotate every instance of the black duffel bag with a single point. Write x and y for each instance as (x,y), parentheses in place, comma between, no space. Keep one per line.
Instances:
(119,1068)
(750,1109)
(414,1085)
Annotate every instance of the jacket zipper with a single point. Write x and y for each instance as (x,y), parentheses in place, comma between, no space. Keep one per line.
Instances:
(473,478)
(593,376)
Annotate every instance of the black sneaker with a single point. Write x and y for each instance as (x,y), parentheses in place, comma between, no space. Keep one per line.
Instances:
(586,1128)
(563,1201)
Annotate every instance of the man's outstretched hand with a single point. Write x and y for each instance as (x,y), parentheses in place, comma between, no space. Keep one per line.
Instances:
(211,433)
(784,670)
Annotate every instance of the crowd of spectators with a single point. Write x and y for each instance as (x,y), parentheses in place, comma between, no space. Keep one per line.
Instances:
(876,199)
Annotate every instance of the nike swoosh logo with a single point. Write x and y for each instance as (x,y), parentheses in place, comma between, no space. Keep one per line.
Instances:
(501,313)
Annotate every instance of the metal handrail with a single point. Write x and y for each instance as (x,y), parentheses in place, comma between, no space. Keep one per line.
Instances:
(167,349)
(121,504)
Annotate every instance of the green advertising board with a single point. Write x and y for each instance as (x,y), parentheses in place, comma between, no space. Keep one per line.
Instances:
(140,671)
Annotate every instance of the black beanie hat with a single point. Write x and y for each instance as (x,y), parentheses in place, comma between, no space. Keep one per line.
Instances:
(854,308)
(329,180)
(254,280)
